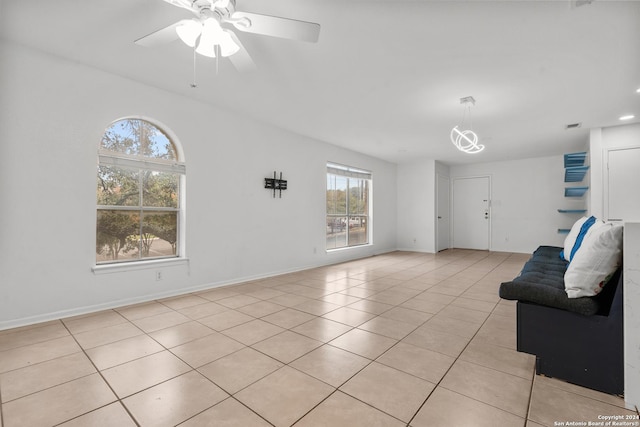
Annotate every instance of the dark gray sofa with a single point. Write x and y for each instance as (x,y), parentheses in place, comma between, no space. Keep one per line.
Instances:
(579,340)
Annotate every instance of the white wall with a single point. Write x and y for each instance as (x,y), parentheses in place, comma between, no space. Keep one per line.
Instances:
(525,197)
(416,206)
(442,169)
(631,282)
(52,115)
(417,210)
(601,140)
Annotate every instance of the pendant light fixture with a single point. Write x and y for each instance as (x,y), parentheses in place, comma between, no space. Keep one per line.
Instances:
(466,140)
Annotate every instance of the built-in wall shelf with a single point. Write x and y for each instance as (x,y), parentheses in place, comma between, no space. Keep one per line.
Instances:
(575,170)
(573,211)
(575,173)
(575,191)
(575,159)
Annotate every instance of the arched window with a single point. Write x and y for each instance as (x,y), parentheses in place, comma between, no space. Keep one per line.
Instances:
(139,200)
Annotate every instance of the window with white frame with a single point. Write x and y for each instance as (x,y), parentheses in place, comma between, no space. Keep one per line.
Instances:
(348,206)
(139,193)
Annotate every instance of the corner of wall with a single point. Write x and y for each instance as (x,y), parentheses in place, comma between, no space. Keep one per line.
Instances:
(631,294)
(596,173)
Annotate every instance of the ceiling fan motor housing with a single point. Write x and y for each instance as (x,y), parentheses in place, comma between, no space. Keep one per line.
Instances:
(219,10)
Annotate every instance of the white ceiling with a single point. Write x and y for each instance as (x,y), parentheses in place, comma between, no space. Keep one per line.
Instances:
(386,77)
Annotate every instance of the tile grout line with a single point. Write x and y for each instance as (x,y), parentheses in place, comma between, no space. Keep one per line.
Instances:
(398,341)
(446,372)
(460,354)
(371,361)
(194,369)
(82,350)
(533,379)
(118,399)
(388,274)
(222,401)
(232,395)
(2,423)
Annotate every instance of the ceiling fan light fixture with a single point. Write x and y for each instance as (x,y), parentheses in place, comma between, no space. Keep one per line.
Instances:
(212,35)
(227,45)
(189,31)
(209,38)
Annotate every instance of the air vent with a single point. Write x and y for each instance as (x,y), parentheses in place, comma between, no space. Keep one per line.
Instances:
(573,125)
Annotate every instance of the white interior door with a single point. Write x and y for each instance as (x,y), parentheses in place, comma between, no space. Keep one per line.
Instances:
(471,215)
(442,209)
(622,198)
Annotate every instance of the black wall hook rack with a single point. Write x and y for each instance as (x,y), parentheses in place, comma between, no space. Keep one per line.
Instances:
(276,184)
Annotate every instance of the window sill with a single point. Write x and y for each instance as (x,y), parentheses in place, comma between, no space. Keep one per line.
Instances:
(138,265)
(346,248)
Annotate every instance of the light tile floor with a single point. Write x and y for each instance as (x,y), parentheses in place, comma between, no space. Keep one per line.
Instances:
(401,339)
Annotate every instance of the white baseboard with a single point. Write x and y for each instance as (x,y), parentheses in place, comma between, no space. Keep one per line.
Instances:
(78,311)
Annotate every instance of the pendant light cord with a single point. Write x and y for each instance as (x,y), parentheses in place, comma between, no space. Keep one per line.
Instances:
(216,48)
(193,83)
(467,109)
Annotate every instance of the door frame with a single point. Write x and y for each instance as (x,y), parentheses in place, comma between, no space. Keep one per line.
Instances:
(489,205)
(449,202)
(605,176)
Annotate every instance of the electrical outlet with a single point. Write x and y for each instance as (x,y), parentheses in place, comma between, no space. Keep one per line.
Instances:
(158,276)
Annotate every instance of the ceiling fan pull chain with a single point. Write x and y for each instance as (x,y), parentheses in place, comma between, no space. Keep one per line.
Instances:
(217,49)
(193,84)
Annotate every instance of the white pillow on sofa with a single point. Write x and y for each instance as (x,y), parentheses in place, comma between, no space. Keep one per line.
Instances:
(593,265)
(573,239)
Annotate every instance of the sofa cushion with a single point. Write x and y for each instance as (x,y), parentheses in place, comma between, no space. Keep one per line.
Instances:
(549,256)
(541,281)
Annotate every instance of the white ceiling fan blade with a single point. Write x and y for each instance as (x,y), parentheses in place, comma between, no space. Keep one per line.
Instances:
(276,27)
(185,4)
(241,59)
(162,36)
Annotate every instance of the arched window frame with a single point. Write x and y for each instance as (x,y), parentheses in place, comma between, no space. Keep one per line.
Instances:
(141,164)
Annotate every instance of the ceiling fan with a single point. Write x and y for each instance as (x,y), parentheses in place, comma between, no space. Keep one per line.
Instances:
(207,35)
